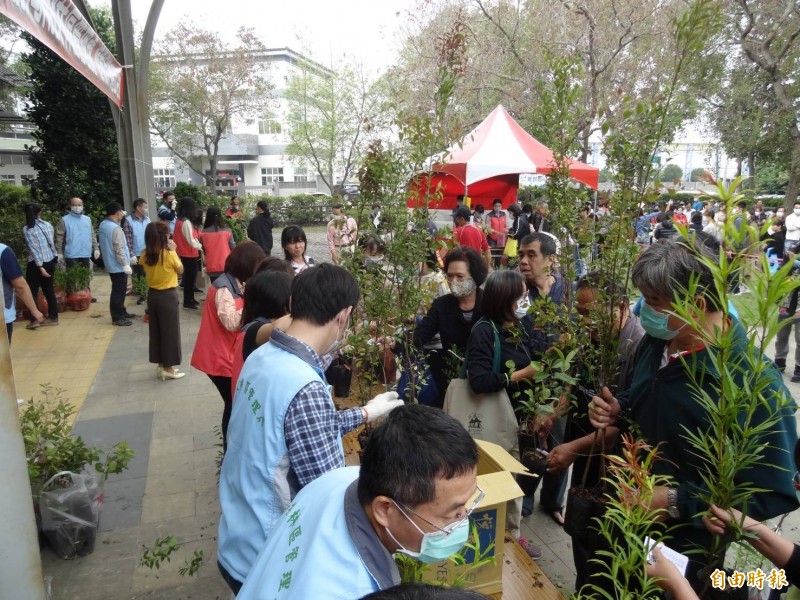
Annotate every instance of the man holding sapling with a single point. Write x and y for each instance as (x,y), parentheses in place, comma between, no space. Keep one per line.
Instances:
(581,448)
(284,430)
(675,394)
(413,494)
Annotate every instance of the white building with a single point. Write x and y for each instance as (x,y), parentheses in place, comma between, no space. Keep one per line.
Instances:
(252,158)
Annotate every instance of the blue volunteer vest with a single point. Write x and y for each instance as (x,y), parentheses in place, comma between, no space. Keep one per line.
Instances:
(78,234)
(106,235)
(137,228)
(311,553)
(256,483)
(8,296)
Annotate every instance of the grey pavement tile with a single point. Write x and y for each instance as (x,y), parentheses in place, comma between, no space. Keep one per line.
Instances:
(207,505)
(122,504)
(207,439)
(213,588)
(171,445)
(184,529)
(172,425)
(171,483)
(95,578)
(134,429)
(177,463)
(161,507)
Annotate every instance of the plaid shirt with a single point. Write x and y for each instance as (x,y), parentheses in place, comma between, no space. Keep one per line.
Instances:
(41,248)
(128,231)
(312,426)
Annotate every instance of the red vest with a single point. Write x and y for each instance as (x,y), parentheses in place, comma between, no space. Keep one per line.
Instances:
(217,249)
(213,350)
(182,246)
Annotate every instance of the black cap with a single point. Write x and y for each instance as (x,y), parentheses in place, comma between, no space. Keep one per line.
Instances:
(462,212)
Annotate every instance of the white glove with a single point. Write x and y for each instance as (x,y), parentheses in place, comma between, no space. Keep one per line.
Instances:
(134,261)
(96,254)
(173,204)
(381,405)
(127,270)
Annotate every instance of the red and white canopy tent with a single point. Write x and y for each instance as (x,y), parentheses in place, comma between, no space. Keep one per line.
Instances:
(487,165)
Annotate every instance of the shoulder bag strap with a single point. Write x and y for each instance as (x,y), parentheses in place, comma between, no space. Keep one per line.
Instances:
(496,358)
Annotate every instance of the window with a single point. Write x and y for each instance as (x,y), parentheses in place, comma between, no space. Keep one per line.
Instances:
(164,178)
(301,174)
(268,124)
(271,175)
(12,179)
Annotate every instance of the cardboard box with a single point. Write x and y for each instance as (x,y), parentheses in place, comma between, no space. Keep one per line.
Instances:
(495,468)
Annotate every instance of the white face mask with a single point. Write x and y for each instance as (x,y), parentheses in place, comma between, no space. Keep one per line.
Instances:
(327,356)
(796,211)
(76,209)
(779,214)
(523,305)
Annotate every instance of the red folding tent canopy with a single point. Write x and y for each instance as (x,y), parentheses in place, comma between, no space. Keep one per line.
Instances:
(488,162)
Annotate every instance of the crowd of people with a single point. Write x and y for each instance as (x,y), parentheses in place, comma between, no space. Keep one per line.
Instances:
(271,326)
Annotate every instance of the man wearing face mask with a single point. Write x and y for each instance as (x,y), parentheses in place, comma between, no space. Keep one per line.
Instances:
(75,238)
(412,495)
(792,223)
(117,261)
(284,430)
(661,400)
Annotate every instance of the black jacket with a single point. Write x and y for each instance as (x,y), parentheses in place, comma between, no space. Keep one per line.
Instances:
(260,231)
(446,319)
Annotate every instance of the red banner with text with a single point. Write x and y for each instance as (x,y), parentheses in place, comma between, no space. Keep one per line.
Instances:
(60,26)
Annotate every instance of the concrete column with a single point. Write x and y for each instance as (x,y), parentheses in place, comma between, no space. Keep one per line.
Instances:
(20,564)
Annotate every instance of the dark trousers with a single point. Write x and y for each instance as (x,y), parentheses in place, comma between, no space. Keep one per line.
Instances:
(234,584)
(223,384)
(554,485)
(86,262)
(164,327)
(119,283)
(35,280)
(9,331)
(189,278)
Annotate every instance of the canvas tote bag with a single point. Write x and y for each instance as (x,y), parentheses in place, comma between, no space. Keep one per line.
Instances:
(488,417)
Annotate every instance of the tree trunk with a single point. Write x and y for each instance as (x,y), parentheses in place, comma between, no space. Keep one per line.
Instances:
(212,173)
(794,170)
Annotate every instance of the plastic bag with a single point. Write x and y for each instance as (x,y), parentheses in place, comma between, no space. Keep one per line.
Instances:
(70,504)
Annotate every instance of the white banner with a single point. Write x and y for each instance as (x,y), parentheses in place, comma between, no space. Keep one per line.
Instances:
(60,26)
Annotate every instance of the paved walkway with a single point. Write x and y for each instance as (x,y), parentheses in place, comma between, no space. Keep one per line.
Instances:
(171,486)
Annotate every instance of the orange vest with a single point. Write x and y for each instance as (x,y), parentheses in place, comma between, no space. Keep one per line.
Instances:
(213,350)
(182,246)
(217,249)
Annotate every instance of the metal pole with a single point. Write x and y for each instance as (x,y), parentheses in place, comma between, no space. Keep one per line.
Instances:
(20,563)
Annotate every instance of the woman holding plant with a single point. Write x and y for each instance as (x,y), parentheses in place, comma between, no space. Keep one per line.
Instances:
(505,302)
(161,267)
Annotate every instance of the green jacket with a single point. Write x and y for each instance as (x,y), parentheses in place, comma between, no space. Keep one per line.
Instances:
(661,403)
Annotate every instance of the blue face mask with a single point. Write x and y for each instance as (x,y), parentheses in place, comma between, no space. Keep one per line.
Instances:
(438,545)
(656,323)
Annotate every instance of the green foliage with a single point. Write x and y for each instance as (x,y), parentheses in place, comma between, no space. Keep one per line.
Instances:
(140,287)
(51,448)
(76,152)
(551,382)
(735,390)
(76,278)
(670,173)
(12,219)
(698,174)
(185,190)
(771,179)
(191,567)
(161,550)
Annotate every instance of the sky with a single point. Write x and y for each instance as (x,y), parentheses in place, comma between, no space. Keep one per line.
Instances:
(365,30)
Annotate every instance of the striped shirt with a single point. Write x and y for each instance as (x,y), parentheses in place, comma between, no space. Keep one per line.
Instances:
(41,248)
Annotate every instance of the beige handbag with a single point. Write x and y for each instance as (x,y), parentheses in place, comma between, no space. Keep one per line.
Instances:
(488,417)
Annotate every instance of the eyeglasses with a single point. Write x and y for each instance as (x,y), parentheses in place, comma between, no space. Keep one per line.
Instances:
(476,500)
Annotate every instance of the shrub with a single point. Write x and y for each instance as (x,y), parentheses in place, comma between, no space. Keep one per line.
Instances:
(12,219)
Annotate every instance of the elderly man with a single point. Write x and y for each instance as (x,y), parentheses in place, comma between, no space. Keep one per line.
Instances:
(413,495)
(661,401)
(117,258)
(75,237)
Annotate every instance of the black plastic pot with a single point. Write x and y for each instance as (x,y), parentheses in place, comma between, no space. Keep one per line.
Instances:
(340,375)
(583,506)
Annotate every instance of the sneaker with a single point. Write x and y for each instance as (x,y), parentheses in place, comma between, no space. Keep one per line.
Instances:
(534,551)
(128,315)
(140,301)
(781,364)
(49,321)
(94,300)
(122,323)
(33,325)
(795,378)
(190,306)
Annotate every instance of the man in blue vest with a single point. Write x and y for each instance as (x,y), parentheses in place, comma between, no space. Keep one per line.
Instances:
(284,430)
(116,257)
(13,284)
(133,226)
(413,494)
(76,241)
